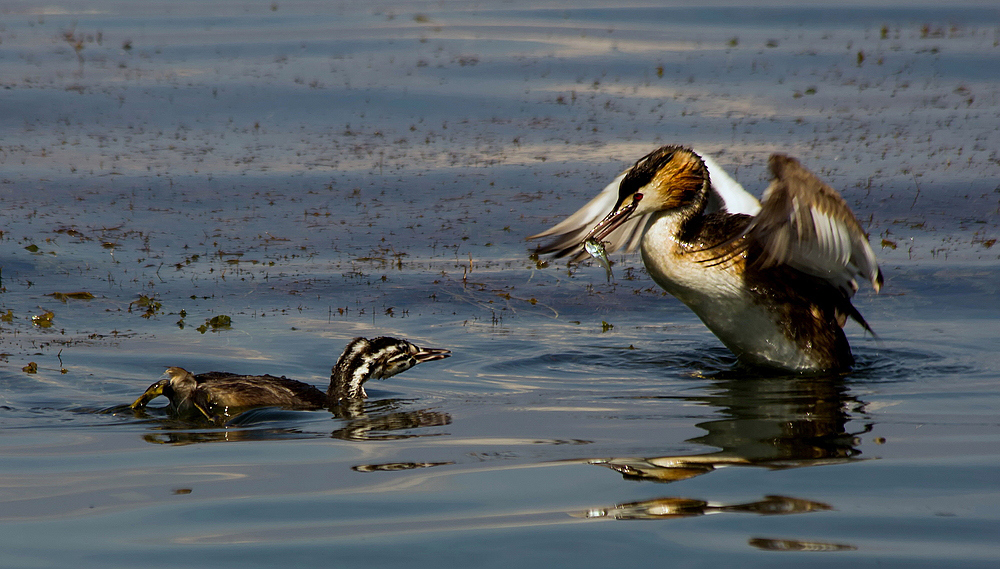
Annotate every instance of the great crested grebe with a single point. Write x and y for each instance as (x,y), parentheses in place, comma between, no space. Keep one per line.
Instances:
(214,393)
(773,280)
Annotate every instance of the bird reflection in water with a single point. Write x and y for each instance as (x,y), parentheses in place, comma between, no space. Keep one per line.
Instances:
(797,545)
(360,420)
(671,508)
(665,508)
(397,466)
(770,422)
(381,420)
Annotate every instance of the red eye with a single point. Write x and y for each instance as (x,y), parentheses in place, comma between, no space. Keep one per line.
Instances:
(636,197)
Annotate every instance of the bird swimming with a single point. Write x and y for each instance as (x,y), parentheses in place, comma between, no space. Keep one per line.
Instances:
(773,280)
(214,393)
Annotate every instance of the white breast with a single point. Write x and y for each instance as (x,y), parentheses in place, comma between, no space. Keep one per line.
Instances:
(718,295)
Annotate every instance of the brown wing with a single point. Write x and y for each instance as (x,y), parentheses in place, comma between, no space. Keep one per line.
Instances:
(807,225)
(233,390)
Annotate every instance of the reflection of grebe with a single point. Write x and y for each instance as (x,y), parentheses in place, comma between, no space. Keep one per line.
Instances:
(773,281)
(214,392)
(664,508)
(776,423)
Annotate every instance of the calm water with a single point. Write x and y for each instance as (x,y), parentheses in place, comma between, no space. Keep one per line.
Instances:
(317,173)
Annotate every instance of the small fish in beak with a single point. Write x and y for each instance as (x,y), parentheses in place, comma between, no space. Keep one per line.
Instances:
(596,250)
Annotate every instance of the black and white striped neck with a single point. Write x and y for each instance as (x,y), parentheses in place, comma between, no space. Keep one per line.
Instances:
(377,358)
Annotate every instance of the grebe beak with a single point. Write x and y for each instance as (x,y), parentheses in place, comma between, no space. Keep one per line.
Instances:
(614,219)
(151,393)
(431,354)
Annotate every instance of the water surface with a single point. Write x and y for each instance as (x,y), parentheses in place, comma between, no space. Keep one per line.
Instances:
(318,173)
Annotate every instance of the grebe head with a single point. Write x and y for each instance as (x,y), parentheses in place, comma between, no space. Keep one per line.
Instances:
(670,177)
(378,358)
(178,386)
(181,381)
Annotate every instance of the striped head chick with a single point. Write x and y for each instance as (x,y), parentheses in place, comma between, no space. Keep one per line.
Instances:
(377,358)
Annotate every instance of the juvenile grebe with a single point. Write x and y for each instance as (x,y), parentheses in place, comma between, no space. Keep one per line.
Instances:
(213,393)
(773,281)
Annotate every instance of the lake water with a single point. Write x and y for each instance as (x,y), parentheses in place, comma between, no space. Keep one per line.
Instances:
(319,172)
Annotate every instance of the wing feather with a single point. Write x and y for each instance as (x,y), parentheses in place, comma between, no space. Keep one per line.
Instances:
(570,232)
(734,198)
(727,194)
(807,225)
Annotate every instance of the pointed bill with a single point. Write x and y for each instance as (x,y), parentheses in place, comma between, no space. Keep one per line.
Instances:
(431,354)
(614,220)
(152,392)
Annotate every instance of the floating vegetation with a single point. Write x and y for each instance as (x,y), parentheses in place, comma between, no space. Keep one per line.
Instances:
(72,232)
(187,261)
(986,243)
(8,317)
(64,296)
(43,320)
(32,367)
(151,306)
(216,323)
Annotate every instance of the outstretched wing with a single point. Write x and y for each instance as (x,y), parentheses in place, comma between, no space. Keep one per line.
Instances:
(733,198)
(570,232)
(806,224)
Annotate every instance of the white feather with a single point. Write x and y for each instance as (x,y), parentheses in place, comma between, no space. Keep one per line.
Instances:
(734,198)
(572,230)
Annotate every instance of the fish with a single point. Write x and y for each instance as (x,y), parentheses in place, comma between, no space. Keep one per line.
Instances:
(596,250)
